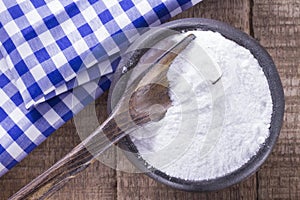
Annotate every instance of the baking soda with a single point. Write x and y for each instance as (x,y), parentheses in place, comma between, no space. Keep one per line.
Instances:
(211,130)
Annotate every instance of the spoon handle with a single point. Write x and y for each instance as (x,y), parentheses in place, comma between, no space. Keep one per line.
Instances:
(119,124)
(73,163)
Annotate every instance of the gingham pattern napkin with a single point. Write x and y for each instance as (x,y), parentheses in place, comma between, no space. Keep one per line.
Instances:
(54,61)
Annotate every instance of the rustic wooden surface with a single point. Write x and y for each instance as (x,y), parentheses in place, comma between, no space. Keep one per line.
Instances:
(276,24)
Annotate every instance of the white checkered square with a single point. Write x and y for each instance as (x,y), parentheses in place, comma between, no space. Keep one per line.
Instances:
(89,14)
(52,117)
(38,73)
(55,6)
(59,58)
(84,78)
(122,20)
(14,150)
(16,115)
(47,38)
(34,17)
(102,34)
(143,7)
(80,46)
(33,134)
(111,3)
(24,50)
(12,28)
(68,27)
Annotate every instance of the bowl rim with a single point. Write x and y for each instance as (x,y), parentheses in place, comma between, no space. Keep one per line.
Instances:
(277,95)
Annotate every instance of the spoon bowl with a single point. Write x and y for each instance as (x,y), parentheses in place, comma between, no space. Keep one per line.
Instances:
(148,89)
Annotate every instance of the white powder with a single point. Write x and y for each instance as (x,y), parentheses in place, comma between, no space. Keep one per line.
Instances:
(193,141)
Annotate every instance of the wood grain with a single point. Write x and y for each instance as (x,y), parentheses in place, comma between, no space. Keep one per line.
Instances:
(234,12)
(277,26)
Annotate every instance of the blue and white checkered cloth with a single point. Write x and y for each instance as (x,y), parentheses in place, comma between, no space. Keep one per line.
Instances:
(53,50)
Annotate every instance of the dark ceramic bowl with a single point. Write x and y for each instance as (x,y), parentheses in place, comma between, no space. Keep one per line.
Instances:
(276,89)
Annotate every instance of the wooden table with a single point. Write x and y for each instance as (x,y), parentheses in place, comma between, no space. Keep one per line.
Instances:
(276,24)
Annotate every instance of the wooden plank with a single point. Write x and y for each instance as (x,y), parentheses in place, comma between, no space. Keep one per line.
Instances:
(277,26)
(234,12)
(138,186)
(97,182)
